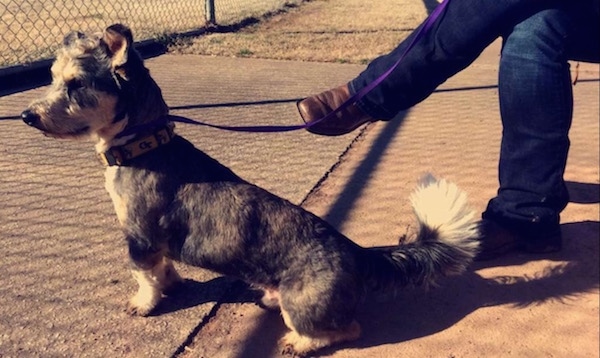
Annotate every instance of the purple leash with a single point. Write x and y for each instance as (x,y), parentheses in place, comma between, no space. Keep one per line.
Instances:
(435,14)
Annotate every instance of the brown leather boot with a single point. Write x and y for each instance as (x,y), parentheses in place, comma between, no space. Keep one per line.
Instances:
(344,121)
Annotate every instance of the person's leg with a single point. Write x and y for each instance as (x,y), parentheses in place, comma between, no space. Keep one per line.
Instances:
(536,106)
(461,33)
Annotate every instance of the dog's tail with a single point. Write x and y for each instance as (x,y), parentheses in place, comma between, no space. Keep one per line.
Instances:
(447,241)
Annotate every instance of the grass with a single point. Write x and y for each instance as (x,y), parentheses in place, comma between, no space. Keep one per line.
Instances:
(245,53)
(318,30)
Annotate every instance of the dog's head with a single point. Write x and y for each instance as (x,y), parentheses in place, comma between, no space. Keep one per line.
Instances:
(99,87)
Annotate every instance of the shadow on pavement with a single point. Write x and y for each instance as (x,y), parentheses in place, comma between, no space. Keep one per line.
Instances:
(192,293)
(343,204)
(415,313)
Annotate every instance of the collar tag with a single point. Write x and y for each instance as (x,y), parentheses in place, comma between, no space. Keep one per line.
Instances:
(119,155)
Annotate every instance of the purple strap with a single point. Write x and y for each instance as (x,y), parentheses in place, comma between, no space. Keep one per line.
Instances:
(435,14)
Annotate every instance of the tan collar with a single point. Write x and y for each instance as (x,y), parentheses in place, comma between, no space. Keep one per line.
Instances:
(120,155)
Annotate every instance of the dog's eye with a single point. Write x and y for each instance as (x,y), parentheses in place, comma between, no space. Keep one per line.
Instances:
(73,85)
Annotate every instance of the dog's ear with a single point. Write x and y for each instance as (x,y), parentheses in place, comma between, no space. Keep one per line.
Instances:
(118,38)
(73,36)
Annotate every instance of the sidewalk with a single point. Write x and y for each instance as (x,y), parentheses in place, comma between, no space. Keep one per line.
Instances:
(65,274)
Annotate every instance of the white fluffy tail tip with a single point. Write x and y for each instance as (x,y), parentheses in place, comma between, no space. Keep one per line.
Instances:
(441,206)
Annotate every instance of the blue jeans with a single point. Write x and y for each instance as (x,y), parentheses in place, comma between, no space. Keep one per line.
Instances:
(536,99)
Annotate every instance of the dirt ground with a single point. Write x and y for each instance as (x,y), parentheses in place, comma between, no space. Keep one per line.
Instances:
(345,31)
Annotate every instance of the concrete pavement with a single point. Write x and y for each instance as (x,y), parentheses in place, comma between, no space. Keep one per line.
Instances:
(65,278)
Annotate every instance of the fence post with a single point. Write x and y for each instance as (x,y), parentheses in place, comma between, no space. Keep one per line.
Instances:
(209,7)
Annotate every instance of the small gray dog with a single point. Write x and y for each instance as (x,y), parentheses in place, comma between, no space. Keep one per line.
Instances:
(174,202)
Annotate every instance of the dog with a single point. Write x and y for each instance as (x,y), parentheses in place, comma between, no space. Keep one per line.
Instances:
(175,203)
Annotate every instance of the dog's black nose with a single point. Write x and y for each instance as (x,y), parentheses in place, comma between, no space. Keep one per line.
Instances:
(30,117)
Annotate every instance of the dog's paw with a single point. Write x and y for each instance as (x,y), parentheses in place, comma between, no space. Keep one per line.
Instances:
(287,345)
(141,305)
(295,345)
(288,350)
(298,345)
(134,310)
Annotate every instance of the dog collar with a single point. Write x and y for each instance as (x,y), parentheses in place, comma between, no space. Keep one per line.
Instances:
(120,155)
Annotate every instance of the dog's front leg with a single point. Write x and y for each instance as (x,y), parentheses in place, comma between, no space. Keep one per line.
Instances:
(154,273)
(148,294)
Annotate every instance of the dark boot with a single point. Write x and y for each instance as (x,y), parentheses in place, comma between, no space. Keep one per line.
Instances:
(498,240)
(345,121)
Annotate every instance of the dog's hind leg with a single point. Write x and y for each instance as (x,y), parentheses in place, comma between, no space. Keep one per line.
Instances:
(172,277)
(318,314)
(300,344)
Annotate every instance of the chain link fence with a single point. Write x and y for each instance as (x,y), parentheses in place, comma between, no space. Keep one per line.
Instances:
(31,30)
